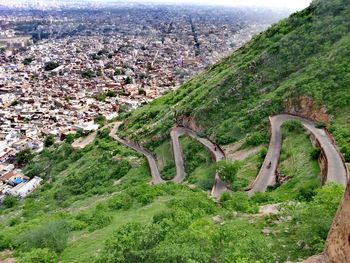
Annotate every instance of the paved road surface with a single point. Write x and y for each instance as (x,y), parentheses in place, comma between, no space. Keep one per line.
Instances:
(156,178)
(336,170)
(219,186)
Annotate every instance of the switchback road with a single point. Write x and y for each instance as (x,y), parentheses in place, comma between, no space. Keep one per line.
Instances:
(336,170)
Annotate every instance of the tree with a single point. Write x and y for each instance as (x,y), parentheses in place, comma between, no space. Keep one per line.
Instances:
(100,119)
(119,71)
(49,140)
(51,65)
(88,74)
(129,80)
(24,156)
(27,61)
(227,171)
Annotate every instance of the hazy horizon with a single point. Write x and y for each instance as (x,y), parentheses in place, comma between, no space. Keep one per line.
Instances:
(295,4)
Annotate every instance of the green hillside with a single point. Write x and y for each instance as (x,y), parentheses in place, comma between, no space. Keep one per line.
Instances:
(96,204)
(304,55)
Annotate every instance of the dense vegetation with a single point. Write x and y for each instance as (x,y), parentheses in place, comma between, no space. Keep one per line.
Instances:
(96,204)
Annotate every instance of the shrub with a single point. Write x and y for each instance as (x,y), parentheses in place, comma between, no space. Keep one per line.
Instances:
(52,235)
(122,201)
(293,126)
(39,255)
(51,66)
(10,201)
(5,242)
(263,153)
(315,154)
(227,171)
(240,202)
(256,139)
(49,140)
(24,156)
(96,219)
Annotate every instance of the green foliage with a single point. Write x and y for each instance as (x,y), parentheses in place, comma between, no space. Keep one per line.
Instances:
(27,61)
(51,65)
(293,126)
(39,255)
(242,243)
(5,242)
(256,139)
(131,243)
(49,140)
(121,201)
(129,80)
(195,154)
(315,154)
(88,74)
(70,138)
(111,93)
(239,202)
(227,171)
(24,156)
(101,96)
(308,223)
(96,219)
(100,120)
(14,103)
(119,71)
(10,201)
(52,235)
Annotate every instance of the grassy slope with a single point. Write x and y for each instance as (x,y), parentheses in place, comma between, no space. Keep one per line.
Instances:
(199,164)
(306,54)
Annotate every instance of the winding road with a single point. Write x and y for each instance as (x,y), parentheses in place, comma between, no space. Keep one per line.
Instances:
(219,186)
(336,169)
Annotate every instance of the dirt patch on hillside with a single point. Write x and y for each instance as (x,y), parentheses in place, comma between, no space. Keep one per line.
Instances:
(233,152)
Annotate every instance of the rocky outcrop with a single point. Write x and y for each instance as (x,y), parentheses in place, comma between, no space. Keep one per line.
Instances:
(337,248)
(338,241)
(306,107)
(322,159)
(188,122)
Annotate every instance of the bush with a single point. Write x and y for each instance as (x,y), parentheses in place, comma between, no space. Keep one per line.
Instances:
(240,202)
(51,66)
(293,126)
(52,235)
(121,201)
(24,156)
(49,140)
(263,153)
(10,201)
(315,154)
(227,171)
(100,119)
(256,139)
(39,255)
(5,242)
(96,219)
